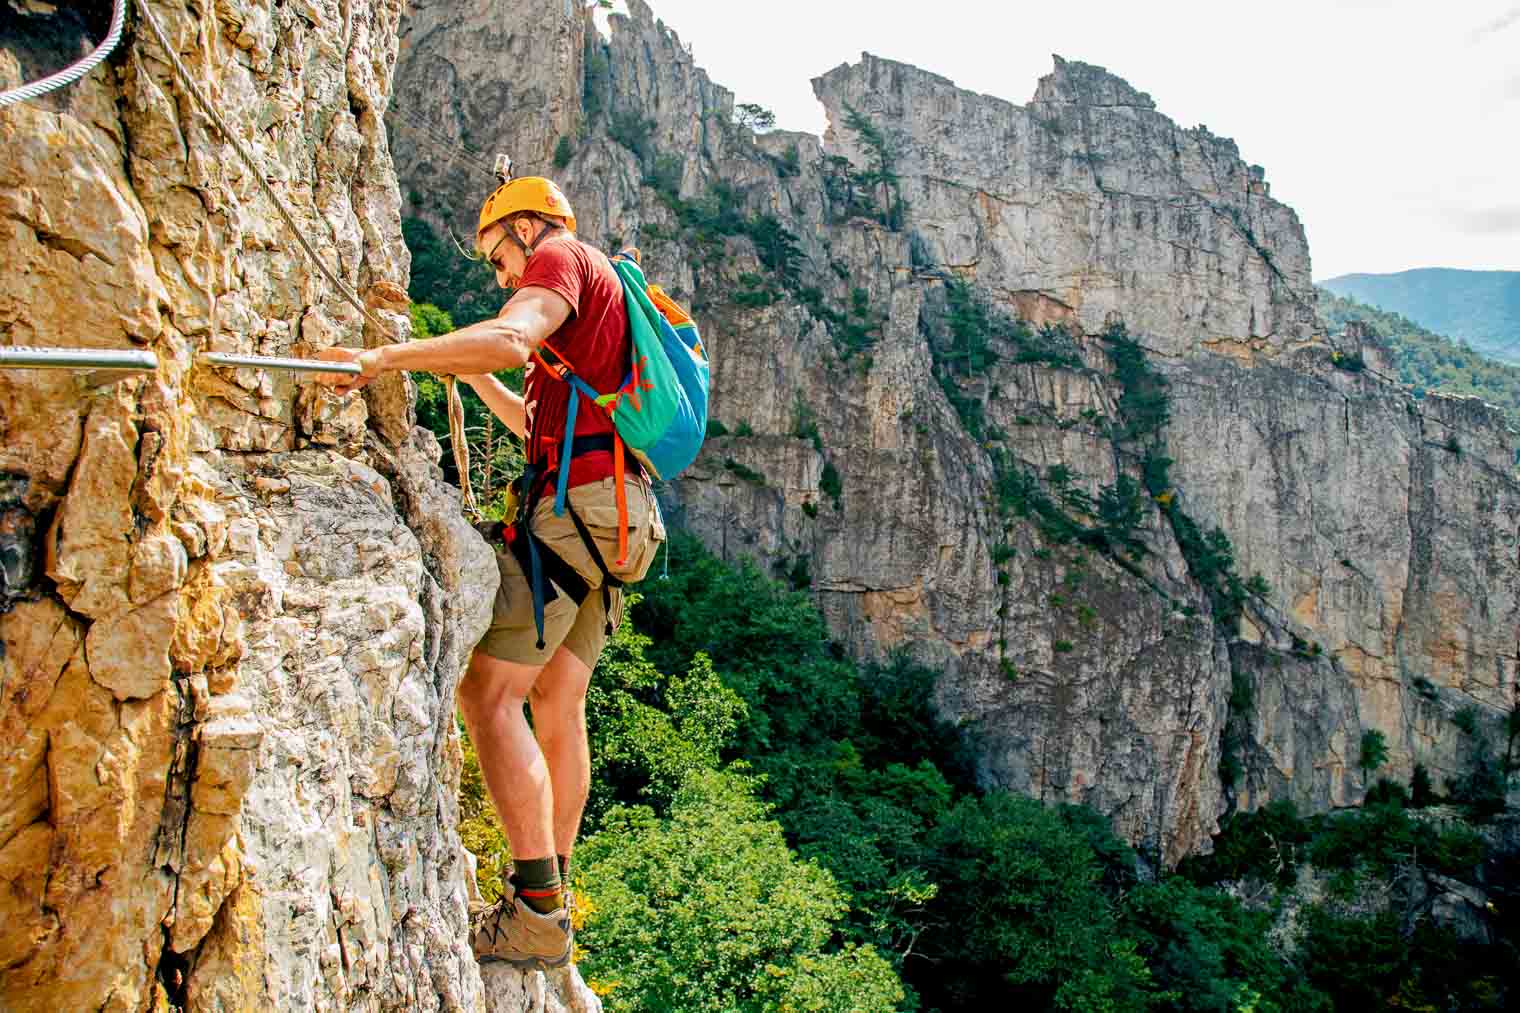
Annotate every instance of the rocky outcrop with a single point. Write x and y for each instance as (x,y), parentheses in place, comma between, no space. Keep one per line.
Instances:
(1383,529)
(1387,531)
(472,68)
(236,607)
(1088,196)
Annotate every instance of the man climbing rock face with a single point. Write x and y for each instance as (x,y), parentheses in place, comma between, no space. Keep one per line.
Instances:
(562,573)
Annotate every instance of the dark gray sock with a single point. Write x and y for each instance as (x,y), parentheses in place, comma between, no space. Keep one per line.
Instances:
(538,883)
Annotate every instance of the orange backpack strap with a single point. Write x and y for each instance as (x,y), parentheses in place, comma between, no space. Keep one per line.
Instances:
(559,367)
(619,469)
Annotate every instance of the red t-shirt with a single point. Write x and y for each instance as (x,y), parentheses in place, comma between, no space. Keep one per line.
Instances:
(594,341)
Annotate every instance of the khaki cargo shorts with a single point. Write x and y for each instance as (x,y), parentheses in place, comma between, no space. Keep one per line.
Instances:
(583,629)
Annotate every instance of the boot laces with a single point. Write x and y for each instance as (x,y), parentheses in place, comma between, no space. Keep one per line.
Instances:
(504,908)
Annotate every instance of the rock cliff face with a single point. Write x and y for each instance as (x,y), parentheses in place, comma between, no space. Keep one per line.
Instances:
(1087,198)
(235,608)
(480,74)
(1384,528)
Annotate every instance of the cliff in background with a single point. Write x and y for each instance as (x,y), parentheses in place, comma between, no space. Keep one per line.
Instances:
(235,609)
(1126,660)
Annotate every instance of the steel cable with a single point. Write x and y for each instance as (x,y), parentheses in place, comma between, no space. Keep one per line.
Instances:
(74,71)
(456,407)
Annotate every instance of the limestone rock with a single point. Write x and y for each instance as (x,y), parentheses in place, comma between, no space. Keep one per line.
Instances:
(129,654)
(230,642)
(563,991)
(453,94)
(1089,197)
(88,548)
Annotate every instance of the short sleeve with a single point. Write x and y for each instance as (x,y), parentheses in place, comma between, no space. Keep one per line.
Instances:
(556,267)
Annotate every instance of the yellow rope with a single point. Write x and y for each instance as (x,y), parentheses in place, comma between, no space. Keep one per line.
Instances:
(457,439)
(460,447)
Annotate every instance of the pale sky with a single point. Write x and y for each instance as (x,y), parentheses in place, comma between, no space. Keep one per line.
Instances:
(1391,126)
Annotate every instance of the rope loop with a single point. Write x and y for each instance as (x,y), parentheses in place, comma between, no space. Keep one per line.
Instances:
(460,447)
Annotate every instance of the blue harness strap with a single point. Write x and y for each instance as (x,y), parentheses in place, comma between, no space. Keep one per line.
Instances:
(535,565)
(562,484)
(536,582)
(540,564)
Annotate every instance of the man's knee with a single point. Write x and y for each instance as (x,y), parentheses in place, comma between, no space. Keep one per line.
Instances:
(559,694)
(556,705)
(490,683)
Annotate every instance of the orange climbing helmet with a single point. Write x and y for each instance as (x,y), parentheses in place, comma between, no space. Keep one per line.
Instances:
(526,193)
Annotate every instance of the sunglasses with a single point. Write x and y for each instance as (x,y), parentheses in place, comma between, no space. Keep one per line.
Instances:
(491,257)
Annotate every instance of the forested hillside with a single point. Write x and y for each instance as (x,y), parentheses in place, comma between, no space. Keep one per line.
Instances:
(775,827)
(1426,361)
(1478,307)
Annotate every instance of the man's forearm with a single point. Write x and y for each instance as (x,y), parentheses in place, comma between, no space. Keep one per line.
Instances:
(485,347)
(504,404)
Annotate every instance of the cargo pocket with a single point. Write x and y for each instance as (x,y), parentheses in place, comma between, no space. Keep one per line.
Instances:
(646,529)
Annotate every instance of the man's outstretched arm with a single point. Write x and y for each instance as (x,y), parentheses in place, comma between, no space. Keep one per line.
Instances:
(505,342)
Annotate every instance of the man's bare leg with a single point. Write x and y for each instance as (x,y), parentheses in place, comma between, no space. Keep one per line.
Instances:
(558,700)
(491,698)
(531,928)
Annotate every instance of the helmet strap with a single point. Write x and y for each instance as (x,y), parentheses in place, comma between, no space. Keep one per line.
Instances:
(528,249)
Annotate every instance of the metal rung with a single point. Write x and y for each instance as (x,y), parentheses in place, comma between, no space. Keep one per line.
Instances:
(20,357)
(276,362)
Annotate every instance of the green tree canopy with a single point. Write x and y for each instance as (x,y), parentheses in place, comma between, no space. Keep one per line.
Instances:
(755,117)
(707,911)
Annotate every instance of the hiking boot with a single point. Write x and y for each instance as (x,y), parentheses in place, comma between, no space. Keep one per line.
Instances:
(511,931)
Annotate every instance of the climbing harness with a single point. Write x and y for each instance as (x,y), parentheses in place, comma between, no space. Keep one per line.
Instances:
(547,572)
(74,71)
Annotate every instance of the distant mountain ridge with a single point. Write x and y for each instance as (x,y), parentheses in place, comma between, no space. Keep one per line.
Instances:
(1479,307)
(1427,361)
